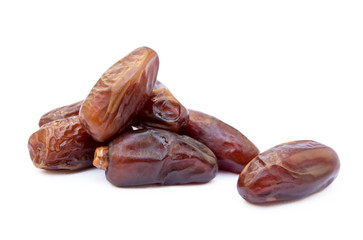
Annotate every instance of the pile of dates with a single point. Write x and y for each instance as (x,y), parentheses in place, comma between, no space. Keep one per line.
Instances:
(131,126)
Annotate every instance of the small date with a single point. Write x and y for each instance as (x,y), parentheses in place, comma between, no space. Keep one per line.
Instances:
(119,94)
(232,149)
(155,156)
(288,171)
(163,110)
(61,113)
(62,144)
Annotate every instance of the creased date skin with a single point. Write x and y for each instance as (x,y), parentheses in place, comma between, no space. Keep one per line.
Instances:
(232,149)
(163,110)
(61,113)
(155,156)
(119,94)
(62,144)
(288,171)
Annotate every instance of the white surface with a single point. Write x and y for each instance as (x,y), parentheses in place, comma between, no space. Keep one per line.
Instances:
(276,70)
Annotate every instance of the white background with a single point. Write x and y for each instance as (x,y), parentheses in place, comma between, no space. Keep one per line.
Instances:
(276,70)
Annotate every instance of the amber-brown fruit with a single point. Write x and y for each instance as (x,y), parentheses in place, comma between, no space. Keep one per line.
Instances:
(156,156)
(62,144)
(288,171)
(61,113)
(232,149)
(120,94)
(163,110)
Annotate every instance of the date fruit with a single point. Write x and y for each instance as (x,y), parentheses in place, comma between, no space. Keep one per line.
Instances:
(232,149)
(163,110)
(120,94)
(62,144)
(61,113)
(288,171)
(155,156)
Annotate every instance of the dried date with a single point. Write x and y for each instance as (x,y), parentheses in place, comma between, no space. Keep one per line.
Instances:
(155,156)
(62,144)
(232,149)
(119,94)
(163,110)
(61,113)
(288,171)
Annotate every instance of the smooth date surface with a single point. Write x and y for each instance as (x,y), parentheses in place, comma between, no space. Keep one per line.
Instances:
(232,149)
(120,94)
(163,110)
(288,171)
(156,156)
(62,144)
(61,113)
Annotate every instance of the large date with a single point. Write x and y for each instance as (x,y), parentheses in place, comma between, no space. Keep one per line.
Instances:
(155,156)
(119,94)
(288,171)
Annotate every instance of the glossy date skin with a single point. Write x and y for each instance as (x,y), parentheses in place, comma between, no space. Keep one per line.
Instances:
(288,171)
(61,113)
(120,94)
(155,156)
(163,110)
(232,149)
(62,144)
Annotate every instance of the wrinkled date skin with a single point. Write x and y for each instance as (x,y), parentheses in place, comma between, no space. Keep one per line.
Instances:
(62,144)
(120,94)
(288,171)
(163,110)
(232,149)
(155,156)
(61,113)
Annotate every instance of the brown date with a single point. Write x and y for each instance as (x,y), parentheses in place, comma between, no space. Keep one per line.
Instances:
(155,156)
(232,149)
(61,113)
(288,171)
(163,110)
(62,144)
(119,94)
